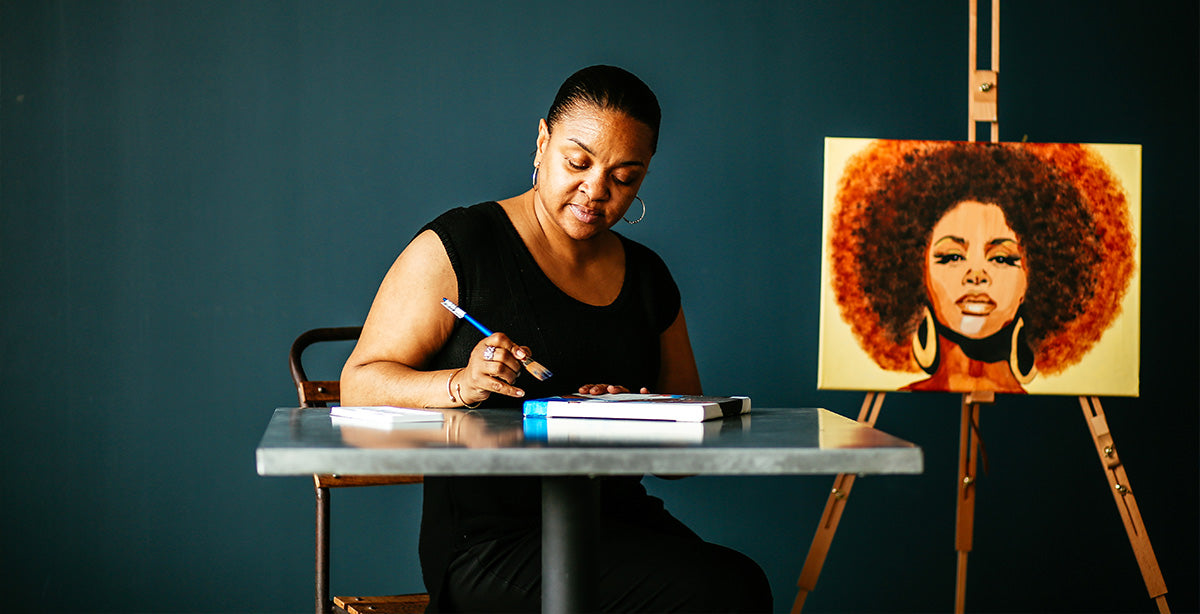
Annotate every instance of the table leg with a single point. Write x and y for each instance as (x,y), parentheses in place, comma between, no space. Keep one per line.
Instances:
(570,516)
(324,604)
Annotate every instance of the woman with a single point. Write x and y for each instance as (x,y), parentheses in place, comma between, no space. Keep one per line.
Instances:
(981,264)
(601,311)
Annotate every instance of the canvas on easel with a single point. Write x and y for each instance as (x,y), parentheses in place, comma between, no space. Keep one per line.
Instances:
(981,268)
(977,267)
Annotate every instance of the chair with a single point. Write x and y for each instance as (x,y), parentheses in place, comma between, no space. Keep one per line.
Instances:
(319,394)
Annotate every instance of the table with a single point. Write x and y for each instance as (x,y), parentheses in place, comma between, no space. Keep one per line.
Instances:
(568,453)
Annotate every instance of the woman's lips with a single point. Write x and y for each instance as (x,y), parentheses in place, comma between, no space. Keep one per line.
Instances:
(586,215)
(976,304)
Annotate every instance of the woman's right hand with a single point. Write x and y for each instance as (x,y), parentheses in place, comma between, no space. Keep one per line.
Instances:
(494,365)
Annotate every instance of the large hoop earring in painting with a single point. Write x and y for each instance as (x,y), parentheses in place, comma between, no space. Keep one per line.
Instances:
(639,199)
(1021,359)
(533,180)
(925,343)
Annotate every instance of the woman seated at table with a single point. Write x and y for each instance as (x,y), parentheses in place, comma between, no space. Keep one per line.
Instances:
(601,311)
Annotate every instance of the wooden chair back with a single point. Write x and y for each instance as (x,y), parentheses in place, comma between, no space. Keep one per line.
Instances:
(322,393)
(317,393)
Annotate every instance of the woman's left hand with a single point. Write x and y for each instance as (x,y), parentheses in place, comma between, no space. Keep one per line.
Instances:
(607,389)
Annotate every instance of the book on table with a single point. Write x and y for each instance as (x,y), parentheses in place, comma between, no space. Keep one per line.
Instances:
(634,406)
(606,432)
(386,417)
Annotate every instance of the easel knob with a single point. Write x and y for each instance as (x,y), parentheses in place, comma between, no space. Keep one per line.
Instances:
(984,102)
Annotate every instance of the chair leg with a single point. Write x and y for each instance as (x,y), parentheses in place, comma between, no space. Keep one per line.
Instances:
(322,556)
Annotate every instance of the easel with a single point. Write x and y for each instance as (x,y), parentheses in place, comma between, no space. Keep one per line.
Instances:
(982,107)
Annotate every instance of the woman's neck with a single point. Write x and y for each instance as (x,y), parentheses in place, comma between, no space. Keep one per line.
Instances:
(544,236)
(958,372)
(590,270)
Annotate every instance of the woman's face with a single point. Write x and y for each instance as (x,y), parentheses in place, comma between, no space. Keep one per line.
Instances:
(590,168)
(976,271)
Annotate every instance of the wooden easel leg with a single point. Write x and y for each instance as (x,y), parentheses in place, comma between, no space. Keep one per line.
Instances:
(1126,504)
(832,514)
(968,461)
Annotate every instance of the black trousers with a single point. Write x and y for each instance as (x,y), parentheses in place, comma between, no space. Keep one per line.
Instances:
(660,568)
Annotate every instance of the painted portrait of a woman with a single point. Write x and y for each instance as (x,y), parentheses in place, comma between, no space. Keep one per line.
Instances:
(978,266)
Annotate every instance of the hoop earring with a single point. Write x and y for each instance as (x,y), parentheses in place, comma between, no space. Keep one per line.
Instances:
(925,343)
(639,199)
(1021,354)
(533,180)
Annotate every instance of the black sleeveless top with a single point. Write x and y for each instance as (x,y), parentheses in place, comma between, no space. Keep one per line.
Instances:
(501,285)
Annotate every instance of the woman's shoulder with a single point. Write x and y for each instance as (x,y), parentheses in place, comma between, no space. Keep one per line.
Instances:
(466,218)
(647,274)
(465,232)
(641,256)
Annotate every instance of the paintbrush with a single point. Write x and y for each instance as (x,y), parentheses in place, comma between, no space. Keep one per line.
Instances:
(532,366)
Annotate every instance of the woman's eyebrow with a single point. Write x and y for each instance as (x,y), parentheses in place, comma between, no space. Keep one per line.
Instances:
(959,240)
(1001,241)
(581,145)
(590,152)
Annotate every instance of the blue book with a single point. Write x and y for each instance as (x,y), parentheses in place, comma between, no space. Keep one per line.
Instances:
(601,432)
(673,407)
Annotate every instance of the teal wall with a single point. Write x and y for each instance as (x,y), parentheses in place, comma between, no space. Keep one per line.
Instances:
(186,186)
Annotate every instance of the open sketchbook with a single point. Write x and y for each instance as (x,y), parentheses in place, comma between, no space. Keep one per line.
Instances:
(386,417)
(632,406)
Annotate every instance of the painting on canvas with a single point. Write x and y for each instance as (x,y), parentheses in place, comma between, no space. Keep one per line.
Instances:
(959,267)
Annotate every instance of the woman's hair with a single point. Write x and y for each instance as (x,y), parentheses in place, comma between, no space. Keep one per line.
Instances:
(608,87)
(1068,212)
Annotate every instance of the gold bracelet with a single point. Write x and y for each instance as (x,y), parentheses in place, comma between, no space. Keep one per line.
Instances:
(459,389)
(448,390)
(460,399)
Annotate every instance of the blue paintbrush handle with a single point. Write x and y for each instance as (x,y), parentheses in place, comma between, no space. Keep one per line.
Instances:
(483,329)
(458,312)
(532,366)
